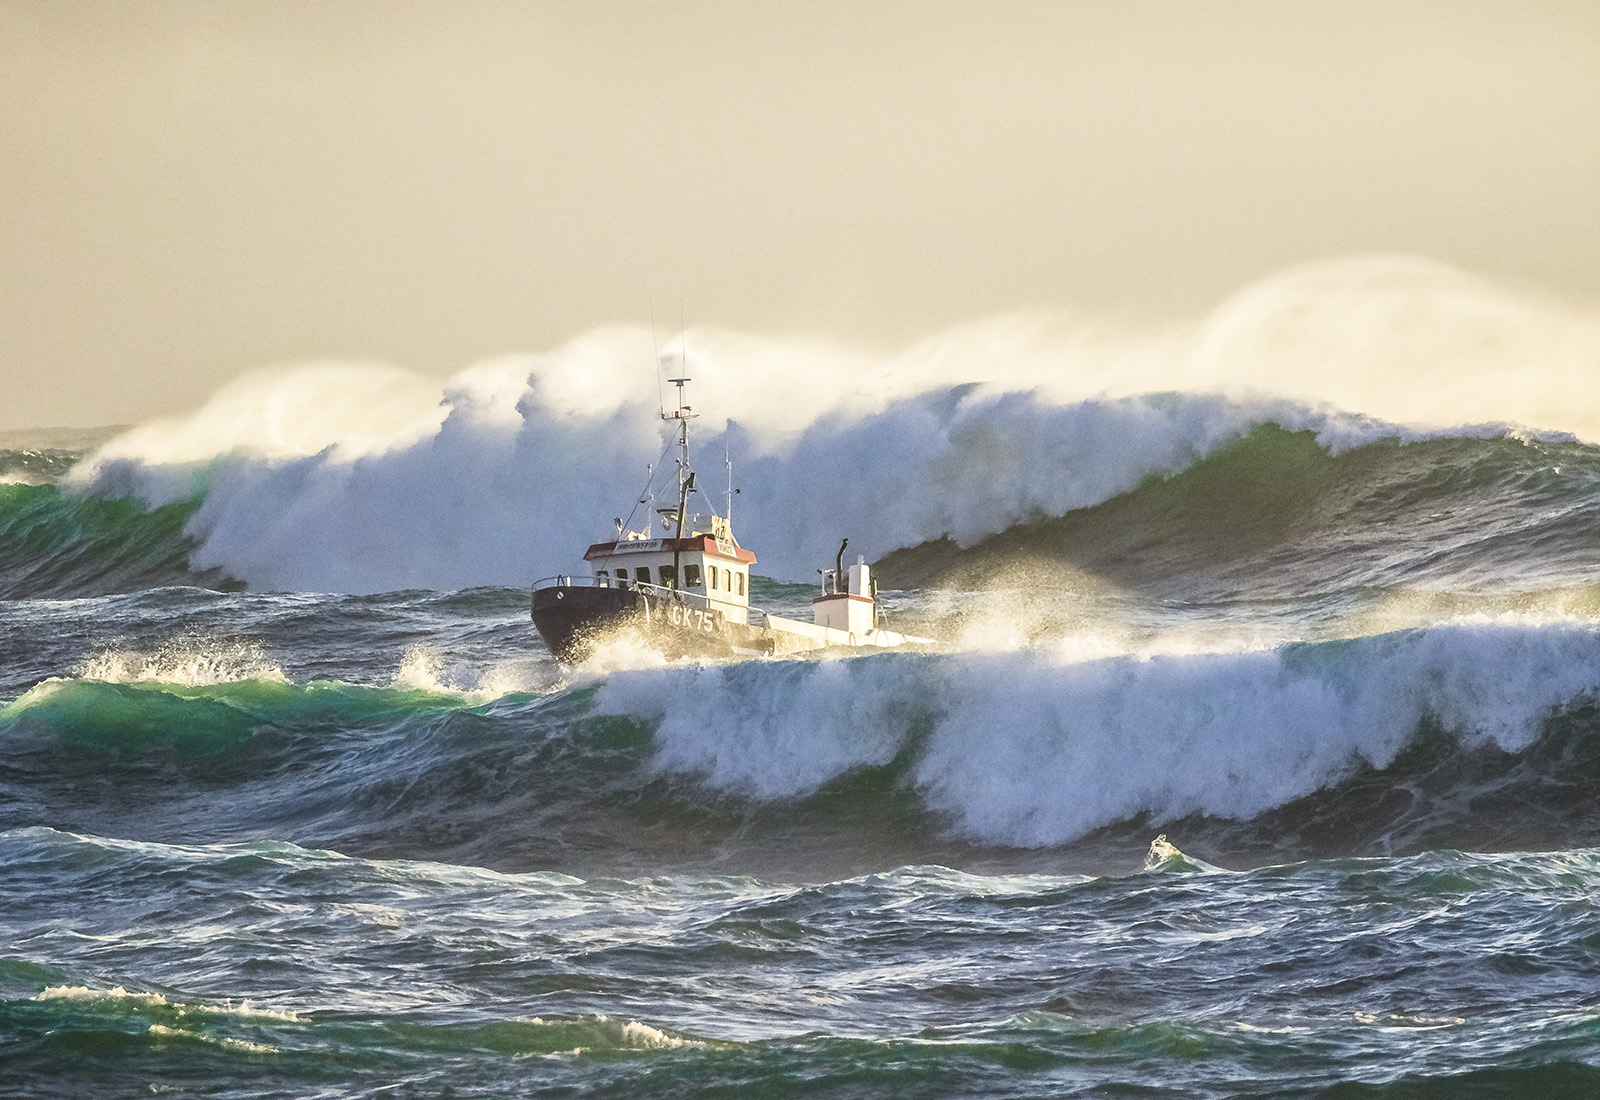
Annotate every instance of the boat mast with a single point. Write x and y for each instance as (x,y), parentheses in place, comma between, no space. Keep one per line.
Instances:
(682,414)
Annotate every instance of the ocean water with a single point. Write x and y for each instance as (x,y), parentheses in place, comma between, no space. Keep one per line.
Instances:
(1258,756)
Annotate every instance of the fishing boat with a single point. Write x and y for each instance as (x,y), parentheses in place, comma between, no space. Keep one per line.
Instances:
(687,591)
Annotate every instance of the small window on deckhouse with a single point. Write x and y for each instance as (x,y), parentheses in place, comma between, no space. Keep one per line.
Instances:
(691,576)
(643,574)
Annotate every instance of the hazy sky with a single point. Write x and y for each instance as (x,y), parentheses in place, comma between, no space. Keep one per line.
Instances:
(190,190)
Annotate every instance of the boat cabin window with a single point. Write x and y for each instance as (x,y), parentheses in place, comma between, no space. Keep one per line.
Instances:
(604,577)
(691,576)
(739,576)
(711,573)
(643,573)
(669,575)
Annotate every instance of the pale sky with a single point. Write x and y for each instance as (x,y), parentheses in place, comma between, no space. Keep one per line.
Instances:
(192,190)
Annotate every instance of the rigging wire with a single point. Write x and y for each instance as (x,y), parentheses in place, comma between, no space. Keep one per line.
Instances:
(645,492)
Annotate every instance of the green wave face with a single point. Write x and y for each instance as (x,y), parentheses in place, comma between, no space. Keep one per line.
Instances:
(200,720)
(1274,514)
(753,760)
(58,543)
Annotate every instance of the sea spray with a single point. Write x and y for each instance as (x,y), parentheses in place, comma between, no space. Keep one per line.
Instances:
(527,459)
(268,843)
(1021,749)
(192,660)
(483,504)
(1272,515)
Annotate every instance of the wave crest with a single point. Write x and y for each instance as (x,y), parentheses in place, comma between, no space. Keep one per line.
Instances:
(1020,749)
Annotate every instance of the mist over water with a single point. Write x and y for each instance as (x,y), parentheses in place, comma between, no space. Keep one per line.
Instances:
(293,800)
(310,484)
(1195,574)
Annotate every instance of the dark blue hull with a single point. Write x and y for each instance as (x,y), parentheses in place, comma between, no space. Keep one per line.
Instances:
(572,618)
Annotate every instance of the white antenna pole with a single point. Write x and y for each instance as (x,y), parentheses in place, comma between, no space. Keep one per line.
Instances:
(683,410)
(650,495)
(727,460)
(683,433)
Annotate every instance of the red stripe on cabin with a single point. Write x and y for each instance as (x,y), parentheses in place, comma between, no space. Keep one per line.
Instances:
(704,544)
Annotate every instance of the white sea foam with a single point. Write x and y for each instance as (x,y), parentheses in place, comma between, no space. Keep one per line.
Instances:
(18,477)
(421,669)
(632,1035)
(86,993)
(189,661)
(297,409)
(200,1038)
(360,478)
(1023,748)
(617,650)
(425,668)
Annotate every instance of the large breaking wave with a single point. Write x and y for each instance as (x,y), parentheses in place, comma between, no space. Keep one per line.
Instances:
(1026,750)
(1469,735)
(1272,515)
(352,478)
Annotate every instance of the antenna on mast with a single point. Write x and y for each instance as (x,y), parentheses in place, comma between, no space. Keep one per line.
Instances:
(661,397)
(682,414)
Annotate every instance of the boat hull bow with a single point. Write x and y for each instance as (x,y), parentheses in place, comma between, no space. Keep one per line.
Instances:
(570,618)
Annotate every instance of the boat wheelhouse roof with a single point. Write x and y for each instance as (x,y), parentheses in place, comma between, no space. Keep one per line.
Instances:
(693,545)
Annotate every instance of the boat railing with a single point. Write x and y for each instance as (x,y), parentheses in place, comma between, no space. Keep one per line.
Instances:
(663,592)
(660,591)
(563,580)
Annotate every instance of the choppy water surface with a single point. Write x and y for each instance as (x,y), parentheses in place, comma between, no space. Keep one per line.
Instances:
(259,843)
(265,968)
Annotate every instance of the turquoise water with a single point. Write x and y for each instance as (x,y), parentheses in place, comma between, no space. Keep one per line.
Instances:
(269,844)
(269,969)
